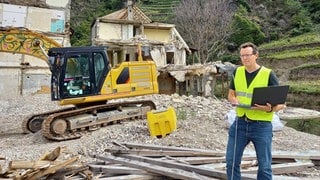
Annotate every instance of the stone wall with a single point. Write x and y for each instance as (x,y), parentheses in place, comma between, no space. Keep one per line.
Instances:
(34,3)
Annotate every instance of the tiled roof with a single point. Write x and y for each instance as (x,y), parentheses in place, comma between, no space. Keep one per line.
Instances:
(122,14)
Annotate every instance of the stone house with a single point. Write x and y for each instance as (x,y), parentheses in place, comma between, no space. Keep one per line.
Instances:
(126,29)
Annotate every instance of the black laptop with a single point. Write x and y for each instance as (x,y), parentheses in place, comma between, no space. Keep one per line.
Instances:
(271,94)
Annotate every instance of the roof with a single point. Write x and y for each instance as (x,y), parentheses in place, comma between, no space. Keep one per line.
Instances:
(122,14)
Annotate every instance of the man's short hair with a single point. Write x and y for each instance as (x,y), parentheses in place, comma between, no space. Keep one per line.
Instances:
(249,44)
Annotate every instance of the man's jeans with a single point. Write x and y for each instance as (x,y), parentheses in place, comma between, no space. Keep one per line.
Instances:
(260,134)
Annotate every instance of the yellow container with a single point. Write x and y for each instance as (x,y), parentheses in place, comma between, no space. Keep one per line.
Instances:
(162,123)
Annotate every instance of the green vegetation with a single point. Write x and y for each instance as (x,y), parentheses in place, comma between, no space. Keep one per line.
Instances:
(181,114)
(309,87)
(311,126)
(307,38)
(83,14)
(306,66)
(297,48)
(158,11)
(296,53)
(248,31)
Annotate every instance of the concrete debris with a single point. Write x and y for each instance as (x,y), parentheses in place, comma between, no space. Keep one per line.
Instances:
(200,124)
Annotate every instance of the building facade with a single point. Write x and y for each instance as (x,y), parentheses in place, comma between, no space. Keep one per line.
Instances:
(20,73)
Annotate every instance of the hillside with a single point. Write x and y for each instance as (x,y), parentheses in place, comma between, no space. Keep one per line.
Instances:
(297,63)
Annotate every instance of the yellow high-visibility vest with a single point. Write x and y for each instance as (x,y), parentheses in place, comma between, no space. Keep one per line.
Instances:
(244,93)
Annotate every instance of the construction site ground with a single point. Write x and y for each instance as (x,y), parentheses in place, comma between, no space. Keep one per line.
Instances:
(201,124)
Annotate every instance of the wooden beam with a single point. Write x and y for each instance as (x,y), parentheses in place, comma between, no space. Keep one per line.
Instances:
(208,160)
(111,170)
(52,169)
(22,164)
(315,157)
(129,177)
(202,171)
(161,153)
(169,148)
(283,168)
(51,156)
(154,168)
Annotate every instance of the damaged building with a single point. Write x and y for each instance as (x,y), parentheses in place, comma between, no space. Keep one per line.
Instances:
(126,29)
(123,31)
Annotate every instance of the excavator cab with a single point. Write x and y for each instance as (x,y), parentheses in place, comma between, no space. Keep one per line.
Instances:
(82,76)
(77,71)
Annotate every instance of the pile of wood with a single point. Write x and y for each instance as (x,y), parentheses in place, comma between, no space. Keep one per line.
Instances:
(48,166)
(137,161)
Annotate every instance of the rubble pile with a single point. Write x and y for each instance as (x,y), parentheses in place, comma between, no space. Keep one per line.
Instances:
(200,124)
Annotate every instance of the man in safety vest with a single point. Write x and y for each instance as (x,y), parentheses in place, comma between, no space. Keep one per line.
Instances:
(252,124)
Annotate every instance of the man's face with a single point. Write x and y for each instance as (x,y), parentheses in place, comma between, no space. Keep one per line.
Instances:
(247,57)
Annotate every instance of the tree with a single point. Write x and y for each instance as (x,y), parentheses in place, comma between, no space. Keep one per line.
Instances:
(301,23)
(245,30)
(314,8)
(205,25)
(84,12)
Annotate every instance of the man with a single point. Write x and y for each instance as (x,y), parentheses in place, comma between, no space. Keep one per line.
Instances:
(251,124)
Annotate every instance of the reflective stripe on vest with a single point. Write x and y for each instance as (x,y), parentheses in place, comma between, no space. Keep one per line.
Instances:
(244,93)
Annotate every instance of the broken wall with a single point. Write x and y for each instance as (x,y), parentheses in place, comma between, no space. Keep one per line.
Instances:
(24,74)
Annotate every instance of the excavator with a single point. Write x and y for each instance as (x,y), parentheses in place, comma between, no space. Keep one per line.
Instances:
(83,81)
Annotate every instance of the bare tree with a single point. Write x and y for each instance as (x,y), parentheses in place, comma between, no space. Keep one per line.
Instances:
(205,25)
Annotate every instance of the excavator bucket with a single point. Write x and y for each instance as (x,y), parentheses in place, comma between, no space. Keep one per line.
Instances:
(162,123)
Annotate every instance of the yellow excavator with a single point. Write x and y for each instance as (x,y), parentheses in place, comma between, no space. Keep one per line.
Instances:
(84,78)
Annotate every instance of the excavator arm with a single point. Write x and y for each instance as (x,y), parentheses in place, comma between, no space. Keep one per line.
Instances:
(24,41)
(82,76)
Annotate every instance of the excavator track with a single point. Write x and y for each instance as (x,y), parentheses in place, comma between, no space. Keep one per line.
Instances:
(74,123)
(33,123)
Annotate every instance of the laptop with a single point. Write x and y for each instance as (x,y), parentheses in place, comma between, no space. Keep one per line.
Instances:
(271,94)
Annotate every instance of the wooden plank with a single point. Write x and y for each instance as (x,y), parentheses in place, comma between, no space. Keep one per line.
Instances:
(118,144)
(292,155)
(129,177)
(162,170)
(169,148)
(175,159)
(208,160)
(51,156)
(206,172)
(198,160)
(22,164)
(157,153)
(290,167)
(51,169)
(111,170)
(67,171)
(284,168)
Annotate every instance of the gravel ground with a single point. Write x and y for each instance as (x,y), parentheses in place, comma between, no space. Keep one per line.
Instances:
(201,124)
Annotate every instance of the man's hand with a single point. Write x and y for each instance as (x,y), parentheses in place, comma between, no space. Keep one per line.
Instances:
(267,108)
(232,98)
